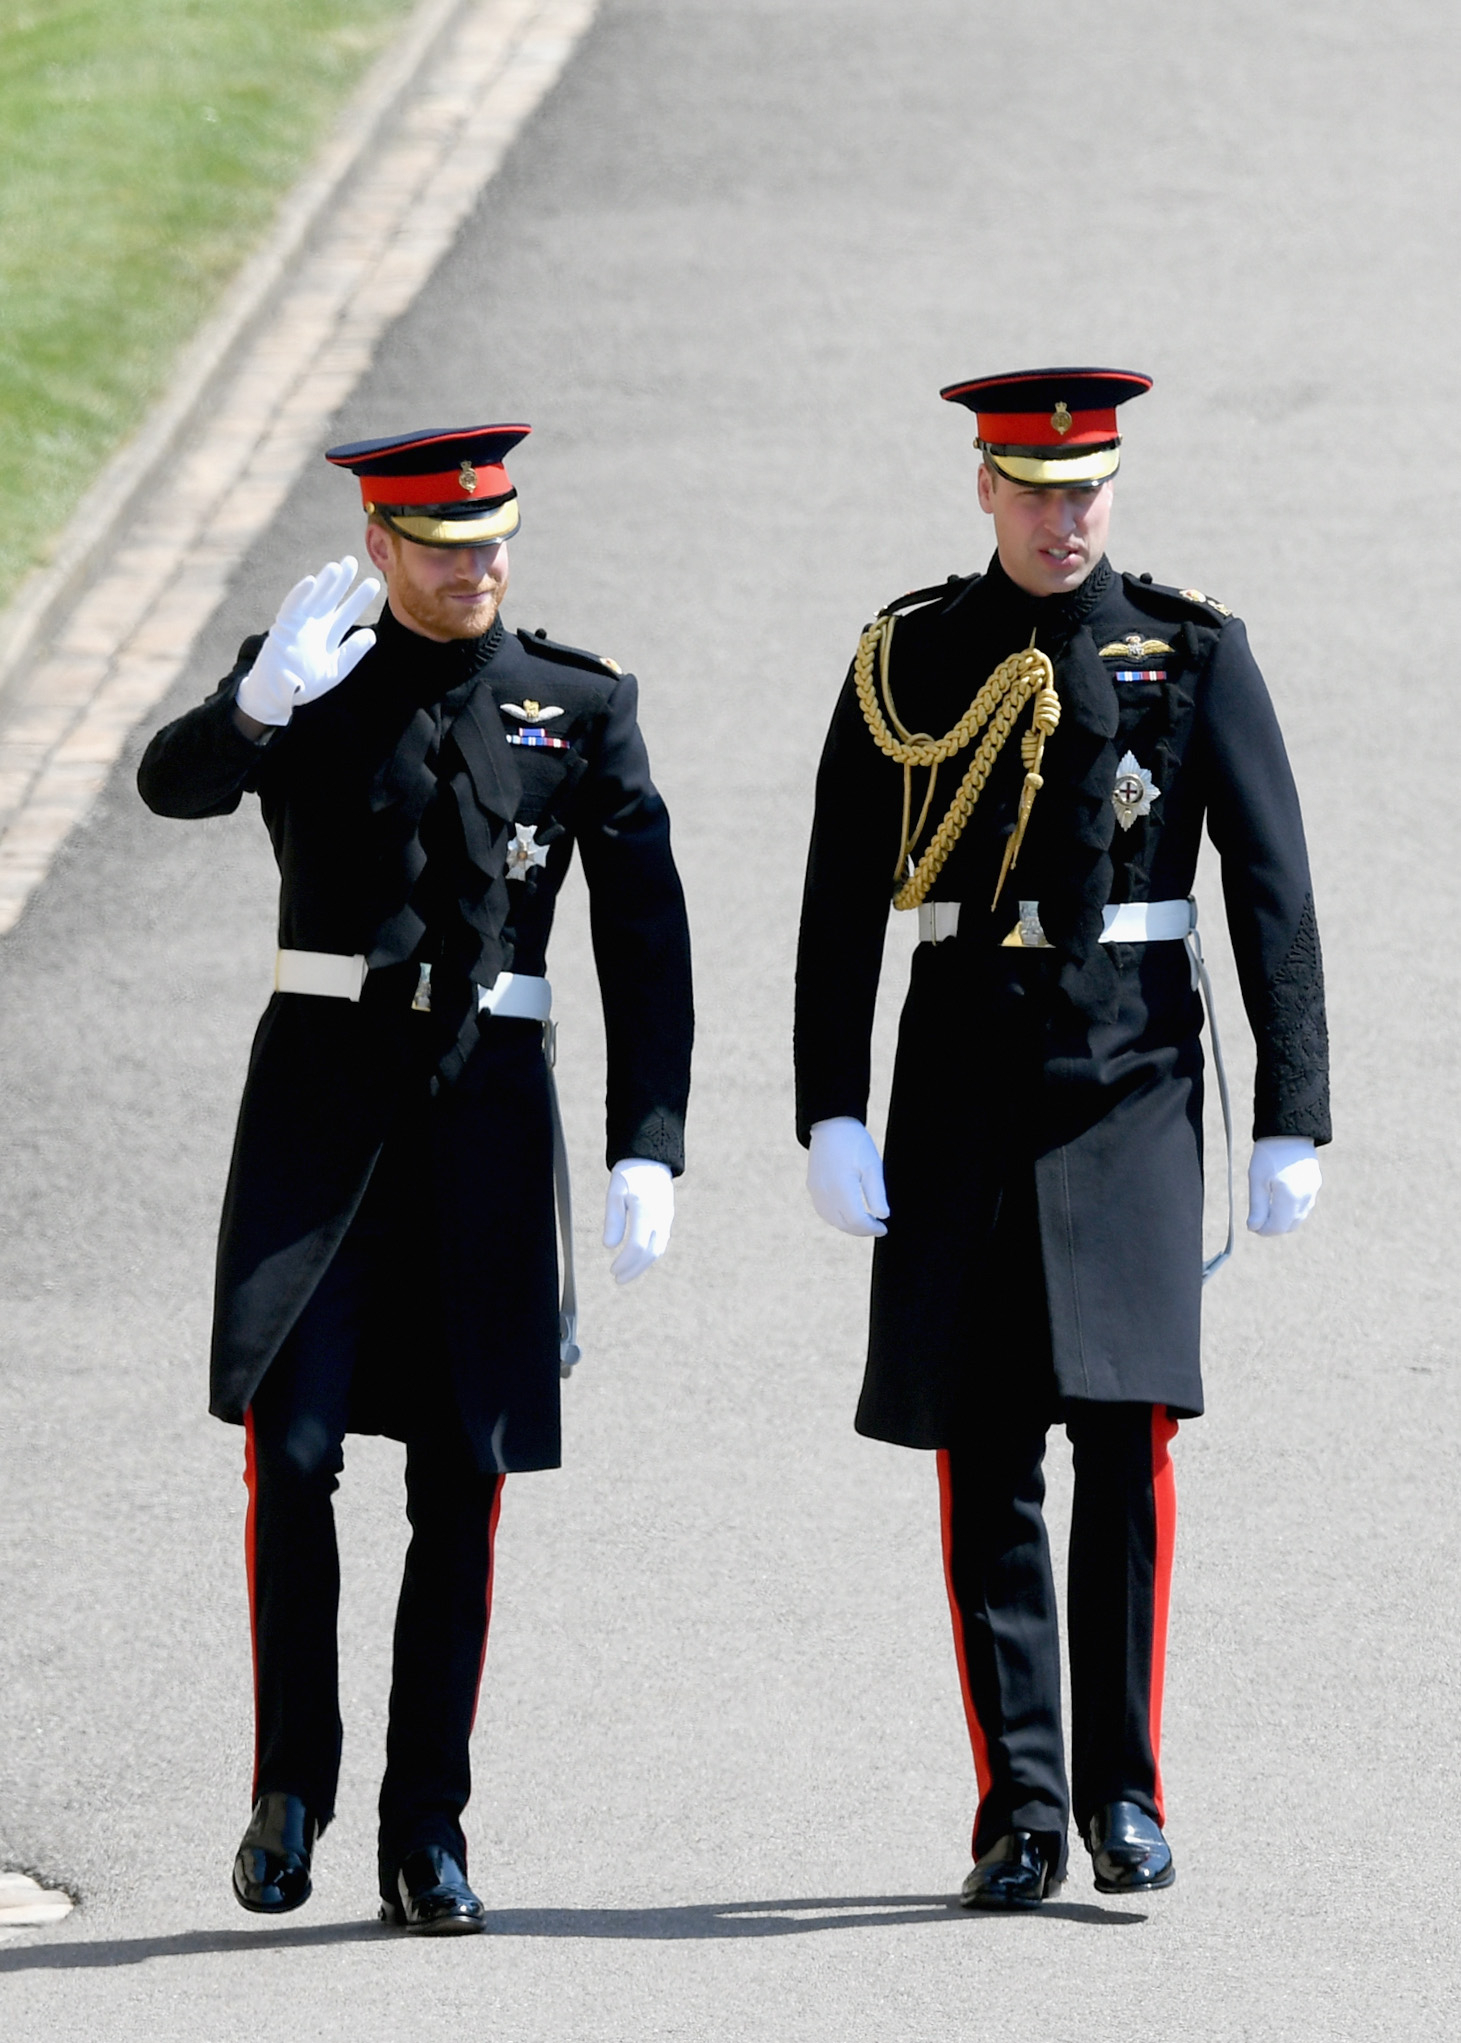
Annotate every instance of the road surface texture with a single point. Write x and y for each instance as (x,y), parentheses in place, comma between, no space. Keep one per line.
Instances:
(723,1785)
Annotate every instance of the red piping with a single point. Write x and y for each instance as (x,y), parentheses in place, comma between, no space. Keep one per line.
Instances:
(979,1744)
(1164,1501)
(251,1484)
(491,1578)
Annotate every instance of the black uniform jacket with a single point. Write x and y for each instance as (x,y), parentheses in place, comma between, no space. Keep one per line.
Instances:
(1043,1152)
(391,802)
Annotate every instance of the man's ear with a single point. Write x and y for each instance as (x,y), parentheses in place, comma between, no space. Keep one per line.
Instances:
(378,546)
(986,488)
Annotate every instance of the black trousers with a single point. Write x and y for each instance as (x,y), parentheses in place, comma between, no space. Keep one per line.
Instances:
(1002,1599)
(367,1319)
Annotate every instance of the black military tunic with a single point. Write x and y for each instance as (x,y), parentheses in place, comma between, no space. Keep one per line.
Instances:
(1076,1068)
(392,801)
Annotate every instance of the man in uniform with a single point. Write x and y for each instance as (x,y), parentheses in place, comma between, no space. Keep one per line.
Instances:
(387,1259)
(1039,1252)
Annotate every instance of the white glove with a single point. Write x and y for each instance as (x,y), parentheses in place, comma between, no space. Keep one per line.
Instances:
(303,656)
(639,1213)
(845,1177)
(1283,1183)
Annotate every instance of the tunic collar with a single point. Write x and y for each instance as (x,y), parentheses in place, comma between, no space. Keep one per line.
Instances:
(430,670)
(1054,619)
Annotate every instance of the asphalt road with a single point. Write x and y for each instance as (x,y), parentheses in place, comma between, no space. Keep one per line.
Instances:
(723,1784)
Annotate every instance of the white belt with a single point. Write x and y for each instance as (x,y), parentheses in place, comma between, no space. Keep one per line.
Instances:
(512,996)
(1130,922)
(324,972)
(516,996)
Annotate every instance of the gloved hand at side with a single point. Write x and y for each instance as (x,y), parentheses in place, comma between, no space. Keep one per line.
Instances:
(1283,1183)
(639,1214)
(304,656)
(845,1176)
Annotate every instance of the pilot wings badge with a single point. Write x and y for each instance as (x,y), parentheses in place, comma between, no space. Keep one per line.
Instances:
(1134,792)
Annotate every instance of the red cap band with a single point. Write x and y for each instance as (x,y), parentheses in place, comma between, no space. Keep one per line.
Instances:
(1043,428)
(464,485)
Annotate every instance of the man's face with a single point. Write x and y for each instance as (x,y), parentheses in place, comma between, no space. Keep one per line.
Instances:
(1048,539)
(443,592)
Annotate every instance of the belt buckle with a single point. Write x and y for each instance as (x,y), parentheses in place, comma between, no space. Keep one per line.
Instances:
(1032,933)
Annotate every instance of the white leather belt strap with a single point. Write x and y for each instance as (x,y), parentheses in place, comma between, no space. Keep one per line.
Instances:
(938,921)
(1129,922)
(515,996)
(1148,922)
(322,972)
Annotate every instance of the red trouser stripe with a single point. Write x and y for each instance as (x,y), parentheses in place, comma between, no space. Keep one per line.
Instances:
(979,1744)
(491,1578)
(251,1484)
(1164,1500)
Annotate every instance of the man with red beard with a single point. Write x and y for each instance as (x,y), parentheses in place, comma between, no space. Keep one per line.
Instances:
(387,1259)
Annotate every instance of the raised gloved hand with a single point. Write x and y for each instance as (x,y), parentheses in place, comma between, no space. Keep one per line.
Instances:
(1283,1183)
(845,1176)
(639,1213)
(303,656)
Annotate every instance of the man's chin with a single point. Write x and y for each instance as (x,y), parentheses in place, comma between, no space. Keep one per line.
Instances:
(460,620)
(1060,579)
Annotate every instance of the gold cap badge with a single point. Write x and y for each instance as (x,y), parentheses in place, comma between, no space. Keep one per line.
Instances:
(1060,419)
(468,479)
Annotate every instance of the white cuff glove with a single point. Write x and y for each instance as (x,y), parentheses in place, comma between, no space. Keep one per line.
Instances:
(1283,1183)
(303,655)
(639,1214)
(845,1177)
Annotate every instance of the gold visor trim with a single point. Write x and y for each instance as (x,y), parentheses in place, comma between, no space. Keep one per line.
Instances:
(1065,473)
(498,523)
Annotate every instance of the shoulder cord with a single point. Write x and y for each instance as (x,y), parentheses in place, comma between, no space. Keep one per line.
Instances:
(1011,685)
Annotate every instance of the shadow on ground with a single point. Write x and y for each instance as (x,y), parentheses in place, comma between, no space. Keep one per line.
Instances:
(703,1920)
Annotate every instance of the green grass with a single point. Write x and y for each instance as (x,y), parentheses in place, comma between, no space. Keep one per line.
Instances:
(144,145)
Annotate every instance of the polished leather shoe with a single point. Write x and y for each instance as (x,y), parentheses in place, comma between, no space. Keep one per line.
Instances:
(1129,1852)
(1014,1873)
(271,1871)
(432,1896)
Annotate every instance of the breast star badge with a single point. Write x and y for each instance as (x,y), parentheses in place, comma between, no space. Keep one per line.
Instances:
(1134,792)
(525,852)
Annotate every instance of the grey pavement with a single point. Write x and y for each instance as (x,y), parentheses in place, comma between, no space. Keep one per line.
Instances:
(723,1787)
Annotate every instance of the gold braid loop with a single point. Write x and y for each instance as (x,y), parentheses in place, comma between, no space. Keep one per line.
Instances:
(997,704)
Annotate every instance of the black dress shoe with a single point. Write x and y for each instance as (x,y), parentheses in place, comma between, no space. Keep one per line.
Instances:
(432,1896)
(271,1872)
(1014,1873)
(1130,1854)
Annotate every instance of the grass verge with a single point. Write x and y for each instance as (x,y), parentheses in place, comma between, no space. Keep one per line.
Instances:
(143,147)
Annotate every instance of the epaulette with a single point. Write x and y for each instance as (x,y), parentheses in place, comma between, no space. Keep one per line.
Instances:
(1208,607)
(933,595)
(567,656)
